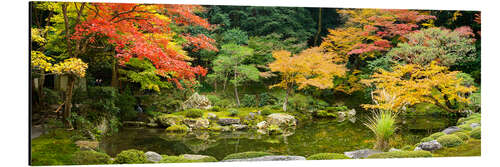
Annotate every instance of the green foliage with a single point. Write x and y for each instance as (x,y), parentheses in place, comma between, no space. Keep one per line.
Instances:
(143,72)
(462,135)
(326,156)
(51,96)
(244,155)
(90,158)
(476,133)
(126,103)
(274,129)
(181,159)
(193,113)
(437,135)
(424,46)
(215,109)
(267,99)
(264,46)
(450,140)
(402,154)
(235,36)
(382,124)
(299,102)
(249,100)
(131,156)
(326,114)
(177,128)
(233,112)
(266,111)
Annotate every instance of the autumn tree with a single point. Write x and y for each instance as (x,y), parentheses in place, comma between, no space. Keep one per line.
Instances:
(311,67)
(447,47)
(410,84)
(229,66)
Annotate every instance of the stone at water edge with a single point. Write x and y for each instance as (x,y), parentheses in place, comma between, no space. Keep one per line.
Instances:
(153,156)
(197,101)
(474,125)
(429,146)
(228,121)
(281,119)
(361,153)
(194,156)
(351,113)
(451,130)
(261,125)
(269,158)
(87,145)
(199,123)
(394,149)
(239,126)
(211,116)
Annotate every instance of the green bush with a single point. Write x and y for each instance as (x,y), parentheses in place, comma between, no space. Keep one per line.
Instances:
(181,159)
(437,135)
(426,139)
(267,99)
(90,158)
(325,114)
(450,140)
(243,155)
(407,148)
(102,103)
(325,156)
(476,133)
(462,135)
(215,109)
(249,100)
(266,111)
(177,128)
(126,103)
(193,113)
(233,112)
(51,96)
(402,154)
(131,156)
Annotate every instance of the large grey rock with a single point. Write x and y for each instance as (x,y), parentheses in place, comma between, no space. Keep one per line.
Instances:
(199,123)
(153,156)
(228,121)
(474,125)
(212,116)
(429,146)
(239,126)
(361,153)
(197,101)
(269,158)
(451,130)
(194,156)
(281,119)
(261,125)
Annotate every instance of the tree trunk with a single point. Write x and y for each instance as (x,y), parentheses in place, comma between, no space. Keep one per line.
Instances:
(67,102)
(236,95)
(114,75)
(288,89)
(319,27)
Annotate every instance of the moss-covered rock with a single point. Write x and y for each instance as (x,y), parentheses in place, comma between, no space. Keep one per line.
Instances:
(476,133)
(465,127)
(325,156)
(462,135)
(177,128)
(402,154)
(426,139)
(450,140)
(186,159)
(166,120)
(437,135)
(131,156)
(90,158)
(244,155)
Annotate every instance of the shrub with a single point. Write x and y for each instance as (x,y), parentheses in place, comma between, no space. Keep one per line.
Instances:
(476,133)
(248,100)
(462,135)
(407,148)
(193,113)
(233,112)
(266,111)
(382,124)
(131,156)
(243,155)
(90,158)
(126,103)
(426,139)
(450,140)
(402,154)
(215,109)
(267,99)
(325,156)
(177,128)
(437,135)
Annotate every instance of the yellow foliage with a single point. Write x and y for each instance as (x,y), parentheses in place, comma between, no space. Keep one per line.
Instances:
(72,66)
(311,67)
(412,84)
(40,61)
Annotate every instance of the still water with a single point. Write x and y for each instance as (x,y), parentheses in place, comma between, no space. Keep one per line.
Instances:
(310,137)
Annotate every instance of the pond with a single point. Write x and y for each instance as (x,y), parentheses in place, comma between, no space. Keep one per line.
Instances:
(310,137)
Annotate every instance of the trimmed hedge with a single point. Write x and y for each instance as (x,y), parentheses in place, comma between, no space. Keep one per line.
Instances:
(90,157)
(402,154)
(450,140)
(476,133)
(244,155)
(325,156)
(194,113)
(131,156)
